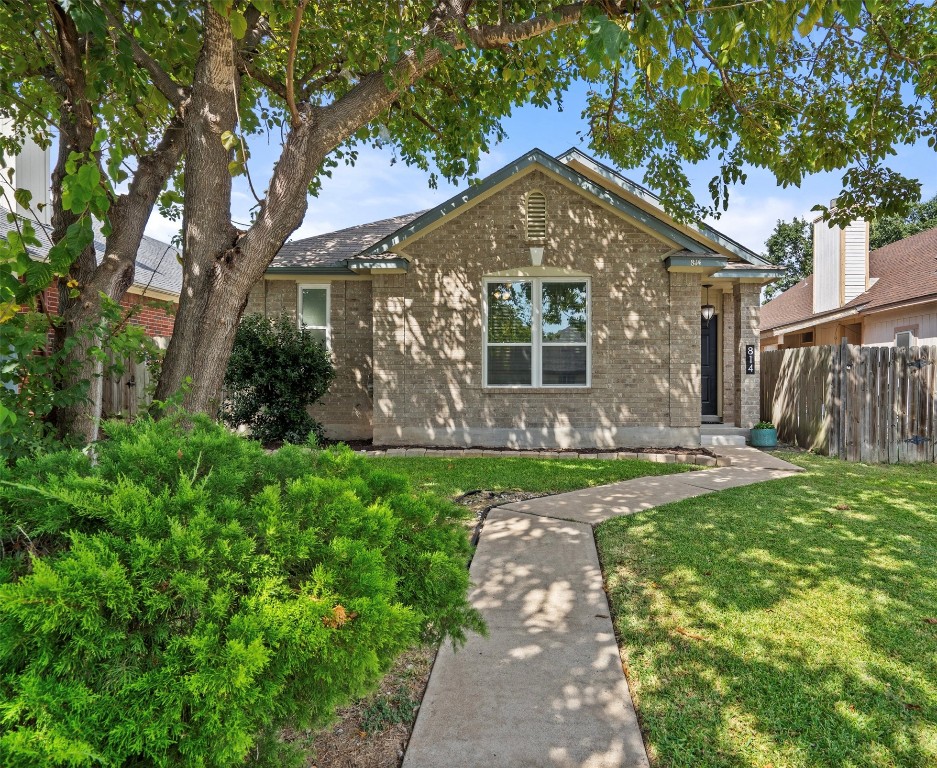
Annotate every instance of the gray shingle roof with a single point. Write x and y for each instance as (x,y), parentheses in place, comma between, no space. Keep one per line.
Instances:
(333,249)
(157,266)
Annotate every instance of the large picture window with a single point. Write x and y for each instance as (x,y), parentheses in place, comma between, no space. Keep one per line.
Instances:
(313,314)
(537,332)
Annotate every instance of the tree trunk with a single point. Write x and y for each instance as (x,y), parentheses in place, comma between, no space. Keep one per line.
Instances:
(222,264)
(76,134)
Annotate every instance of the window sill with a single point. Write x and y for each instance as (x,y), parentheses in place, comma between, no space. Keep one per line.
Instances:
(568,390)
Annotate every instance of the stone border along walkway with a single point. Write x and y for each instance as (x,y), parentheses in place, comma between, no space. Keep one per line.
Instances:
(466,453)
(546,688)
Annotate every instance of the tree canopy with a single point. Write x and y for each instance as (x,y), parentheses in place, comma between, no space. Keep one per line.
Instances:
(889,229)
(790,245)
(795,88)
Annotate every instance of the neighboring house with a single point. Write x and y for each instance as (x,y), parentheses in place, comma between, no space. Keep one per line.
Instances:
(886,297)
(554,304)
(158,275)
(156,286)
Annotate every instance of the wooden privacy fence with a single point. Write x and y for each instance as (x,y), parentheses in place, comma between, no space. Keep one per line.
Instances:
(871,404)
(124,397)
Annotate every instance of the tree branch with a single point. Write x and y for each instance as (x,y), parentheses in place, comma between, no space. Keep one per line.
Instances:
(295,118)
(174,93)
(497,35)
(266,80)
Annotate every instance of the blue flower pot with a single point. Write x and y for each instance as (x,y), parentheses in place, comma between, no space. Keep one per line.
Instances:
(764,438)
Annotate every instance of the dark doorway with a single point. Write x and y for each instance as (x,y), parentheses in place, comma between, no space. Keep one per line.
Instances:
(709,383)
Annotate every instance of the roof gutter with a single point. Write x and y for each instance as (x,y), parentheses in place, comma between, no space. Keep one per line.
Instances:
(355,266)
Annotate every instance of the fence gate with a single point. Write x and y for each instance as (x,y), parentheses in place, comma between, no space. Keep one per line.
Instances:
(871,404)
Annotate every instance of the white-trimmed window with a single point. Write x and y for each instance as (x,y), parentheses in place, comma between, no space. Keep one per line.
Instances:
(313,311)
(537,332)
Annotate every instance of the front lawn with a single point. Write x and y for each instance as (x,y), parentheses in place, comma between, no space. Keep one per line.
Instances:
(788,624)
(451,477)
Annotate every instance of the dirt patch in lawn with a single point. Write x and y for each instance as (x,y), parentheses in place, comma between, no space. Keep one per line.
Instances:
(374,732)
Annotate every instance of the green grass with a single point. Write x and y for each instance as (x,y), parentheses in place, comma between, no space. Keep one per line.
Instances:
(451,477)
(788,624)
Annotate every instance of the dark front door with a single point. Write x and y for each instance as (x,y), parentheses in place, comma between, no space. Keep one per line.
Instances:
(709,385)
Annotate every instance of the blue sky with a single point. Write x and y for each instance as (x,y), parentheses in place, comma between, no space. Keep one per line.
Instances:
(375,189)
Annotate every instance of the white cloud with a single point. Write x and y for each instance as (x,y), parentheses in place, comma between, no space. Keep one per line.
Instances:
(162,229)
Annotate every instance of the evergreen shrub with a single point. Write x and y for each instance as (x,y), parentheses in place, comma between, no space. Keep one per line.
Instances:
(188,596)
(275,372)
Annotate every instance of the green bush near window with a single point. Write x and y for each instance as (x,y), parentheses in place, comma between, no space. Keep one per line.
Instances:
(184,599)
(275,372)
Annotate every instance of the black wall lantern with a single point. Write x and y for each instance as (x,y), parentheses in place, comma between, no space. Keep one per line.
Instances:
(707,310)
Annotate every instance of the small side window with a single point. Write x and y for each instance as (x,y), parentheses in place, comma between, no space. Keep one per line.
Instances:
(904,339)
(313,311)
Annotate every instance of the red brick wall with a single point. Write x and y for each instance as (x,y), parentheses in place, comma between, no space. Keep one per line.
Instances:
(152,316)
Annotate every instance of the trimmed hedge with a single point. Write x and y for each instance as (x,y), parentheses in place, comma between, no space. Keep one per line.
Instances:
(189,596)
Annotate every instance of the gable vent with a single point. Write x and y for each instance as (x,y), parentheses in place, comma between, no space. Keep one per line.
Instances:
(536,216)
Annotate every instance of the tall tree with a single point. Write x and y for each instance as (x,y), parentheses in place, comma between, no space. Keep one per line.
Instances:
(888,229)
(790,245)
(792,87)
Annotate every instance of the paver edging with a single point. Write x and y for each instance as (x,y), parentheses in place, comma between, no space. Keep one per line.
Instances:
(699,459)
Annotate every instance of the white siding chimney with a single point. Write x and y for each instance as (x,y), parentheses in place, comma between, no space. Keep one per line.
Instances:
(855,260)
(840,263)
(30,171)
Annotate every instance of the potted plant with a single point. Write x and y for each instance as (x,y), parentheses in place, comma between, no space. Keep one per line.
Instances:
(764,435)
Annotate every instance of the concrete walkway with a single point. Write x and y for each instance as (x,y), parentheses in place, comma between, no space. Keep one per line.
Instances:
(546,688)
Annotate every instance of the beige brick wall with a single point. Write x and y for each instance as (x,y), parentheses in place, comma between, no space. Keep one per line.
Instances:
(746,300)
(729,412)
(645,333)
(345,411)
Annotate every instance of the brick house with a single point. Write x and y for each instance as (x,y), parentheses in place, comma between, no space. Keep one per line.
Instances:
(158,279)
(554,304)
(154,294)
(885,297)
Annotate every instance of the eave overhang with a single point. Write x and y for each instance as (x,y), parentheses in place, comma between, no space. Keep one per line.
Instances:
(760,275)
(395,266)
(355,266)
(695,263)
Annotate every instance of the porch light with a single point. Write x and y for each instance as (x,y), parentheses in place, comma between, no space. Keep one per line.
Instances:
(536,255)
(707,310)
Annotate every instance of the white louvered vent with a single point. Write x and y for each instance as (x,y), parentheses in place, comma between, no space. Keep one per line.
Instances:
(536,217)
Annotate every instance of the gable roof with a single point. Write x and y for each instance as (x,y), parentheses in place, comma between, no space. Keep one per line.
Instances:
(706,232)
(157,263)
(367,247)
(332,250)
(541,158)
(904,271)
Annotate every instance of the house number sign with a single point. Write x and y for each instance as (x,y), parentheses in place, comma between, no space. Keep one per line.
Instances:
(749,358)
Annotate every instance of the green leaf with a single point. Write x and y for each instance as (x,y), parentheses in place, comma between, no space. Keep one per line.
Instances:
(23,197)
(238,24)
(229,140)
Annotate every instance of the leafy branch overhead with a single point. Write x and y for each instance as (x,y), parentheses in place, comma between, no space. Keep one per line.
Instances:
(794,88)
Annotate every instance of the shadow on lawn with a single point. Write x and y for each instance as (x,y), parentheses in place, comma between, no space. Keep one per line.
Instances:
(785,624)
